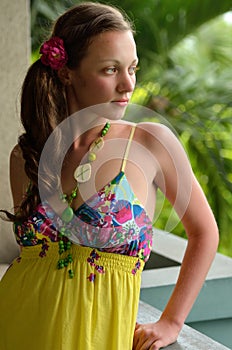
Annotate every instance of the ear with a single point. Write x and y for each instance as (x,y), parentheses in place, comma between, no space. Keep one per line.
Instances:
(64,75)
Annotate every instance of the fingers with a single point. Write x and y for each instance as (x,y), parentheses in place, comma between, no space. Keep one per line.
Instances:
(148,345)
(145,339)
(150,337)
(156,345)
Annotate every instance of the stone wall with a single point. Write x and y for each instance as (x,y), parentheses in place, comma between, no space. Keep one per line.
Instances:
(14,60)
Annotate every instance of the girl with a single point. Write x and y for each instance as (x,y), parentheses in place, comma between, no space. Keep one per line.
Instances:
(84,186)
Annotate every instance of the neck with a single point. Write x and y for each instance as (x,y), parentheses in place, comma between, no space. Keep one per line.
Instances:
(85,126)
(88,137)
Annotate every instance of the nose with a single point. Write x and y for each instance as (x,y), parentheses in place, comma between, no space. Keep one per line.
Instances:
(126,82)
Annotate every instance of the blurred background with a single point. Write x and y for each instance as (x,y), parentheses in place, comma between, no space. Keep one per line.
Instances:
(185,51)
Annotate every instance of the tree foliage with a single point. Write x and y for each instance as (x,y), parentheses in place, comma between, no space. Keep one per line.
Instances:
(193,92)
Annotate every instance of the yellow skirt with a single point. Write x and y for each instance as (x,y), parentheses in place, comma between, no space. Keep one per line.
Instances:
(41,308)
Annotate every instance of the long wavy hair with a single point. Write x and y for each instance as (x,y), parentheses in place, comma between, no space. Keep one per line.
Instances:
(43,97)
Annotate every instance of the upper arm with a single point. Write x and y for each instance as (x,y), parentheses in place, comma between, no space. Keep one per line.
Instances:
(176,180)
(18,178)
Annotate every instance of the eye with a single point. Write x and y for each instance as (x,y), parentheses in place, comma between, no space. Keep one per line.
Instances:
(110,70)
(133,69)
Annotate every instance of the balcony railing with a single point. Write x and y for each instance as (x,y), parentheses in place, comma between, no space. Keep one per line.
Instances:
(212,311)
(189,338)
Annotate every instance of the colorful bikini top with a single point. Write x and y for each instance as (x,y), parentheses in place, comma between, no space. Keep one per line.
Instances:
(112,220)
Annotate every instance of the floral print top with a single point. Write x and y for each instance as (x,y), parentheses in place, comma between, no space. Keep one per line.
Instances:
(112,220)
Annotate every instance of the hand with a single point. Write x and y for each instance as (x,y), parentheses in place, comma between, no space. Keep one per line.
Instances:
(154,336)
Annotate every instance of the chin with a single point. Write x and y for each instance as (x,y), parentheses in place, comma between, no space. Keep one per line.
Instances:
(116,112)
(109,110)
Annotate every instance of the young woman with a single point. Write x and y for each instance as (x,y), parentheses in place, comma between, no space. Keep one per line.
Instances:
(84,186)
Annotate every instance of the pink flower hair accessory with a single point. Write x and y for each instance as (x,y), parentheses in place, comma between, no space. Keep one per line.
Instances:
(53,53)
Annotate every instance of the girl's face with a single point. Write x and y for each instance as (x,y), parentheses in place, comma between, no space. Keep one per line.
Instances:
(107,72)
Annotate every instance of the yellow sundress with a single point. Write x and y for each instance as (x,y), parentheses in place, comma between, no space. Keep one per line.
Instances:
(42,308)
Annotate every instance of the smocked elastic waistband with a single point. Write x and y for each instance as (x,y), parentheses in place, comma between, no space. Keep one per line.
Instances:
(81,254)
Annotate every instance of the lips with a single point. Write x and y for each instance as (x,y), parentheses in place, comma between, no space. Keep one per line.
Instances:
(121,102)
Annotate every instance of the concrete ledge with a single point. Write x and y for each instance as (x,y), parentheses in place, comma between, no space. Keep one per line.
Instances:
(212,311)
(158,283)
(189,338)
(173,247)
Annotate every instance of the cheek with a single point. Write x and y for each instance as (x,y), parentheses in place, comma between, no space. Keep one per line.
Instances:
(101,89)
(101,84)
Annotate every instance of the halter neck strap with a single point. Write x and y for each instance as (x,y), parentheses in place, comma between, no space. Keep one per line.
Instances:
(128,148)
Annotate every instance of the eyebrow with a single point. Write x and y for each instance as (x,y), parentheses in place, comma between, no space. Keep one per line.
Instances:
(136,60)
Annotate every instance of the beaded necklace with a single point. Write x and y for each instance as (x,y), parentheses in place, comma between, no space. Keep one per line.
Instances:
(81,174)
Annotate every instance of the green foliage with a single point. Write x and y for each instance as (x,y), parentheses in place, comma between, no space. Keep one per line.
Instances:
(194,94)
(43,14)
(161,24)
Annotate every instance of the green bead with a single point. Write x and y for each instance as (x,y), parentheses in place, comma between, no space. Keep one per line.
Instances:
(68,245)
(105,129)
(61,264)
(67,233)
(70,259)
(67,215)
(92,157)
(62,231)
(63,197)
(74,194)
(71,273)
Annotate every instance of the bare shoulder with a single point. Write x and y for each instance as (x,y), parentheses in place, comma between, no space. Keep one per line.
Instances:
(156,129)
(16,160)
(16,153)
(165,146)
(18,178)
(151,134)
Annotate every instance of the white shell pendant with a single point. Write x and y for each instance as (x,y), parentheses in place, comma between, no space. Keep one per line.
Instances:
(82,173)
(96,145)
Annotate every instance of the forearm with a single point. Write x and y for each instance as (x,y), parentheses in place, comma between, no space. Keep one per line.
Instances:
(198,257)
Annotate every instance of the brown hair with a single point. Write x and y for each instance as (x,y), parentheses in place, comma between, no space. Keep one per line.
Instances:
(43,98)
